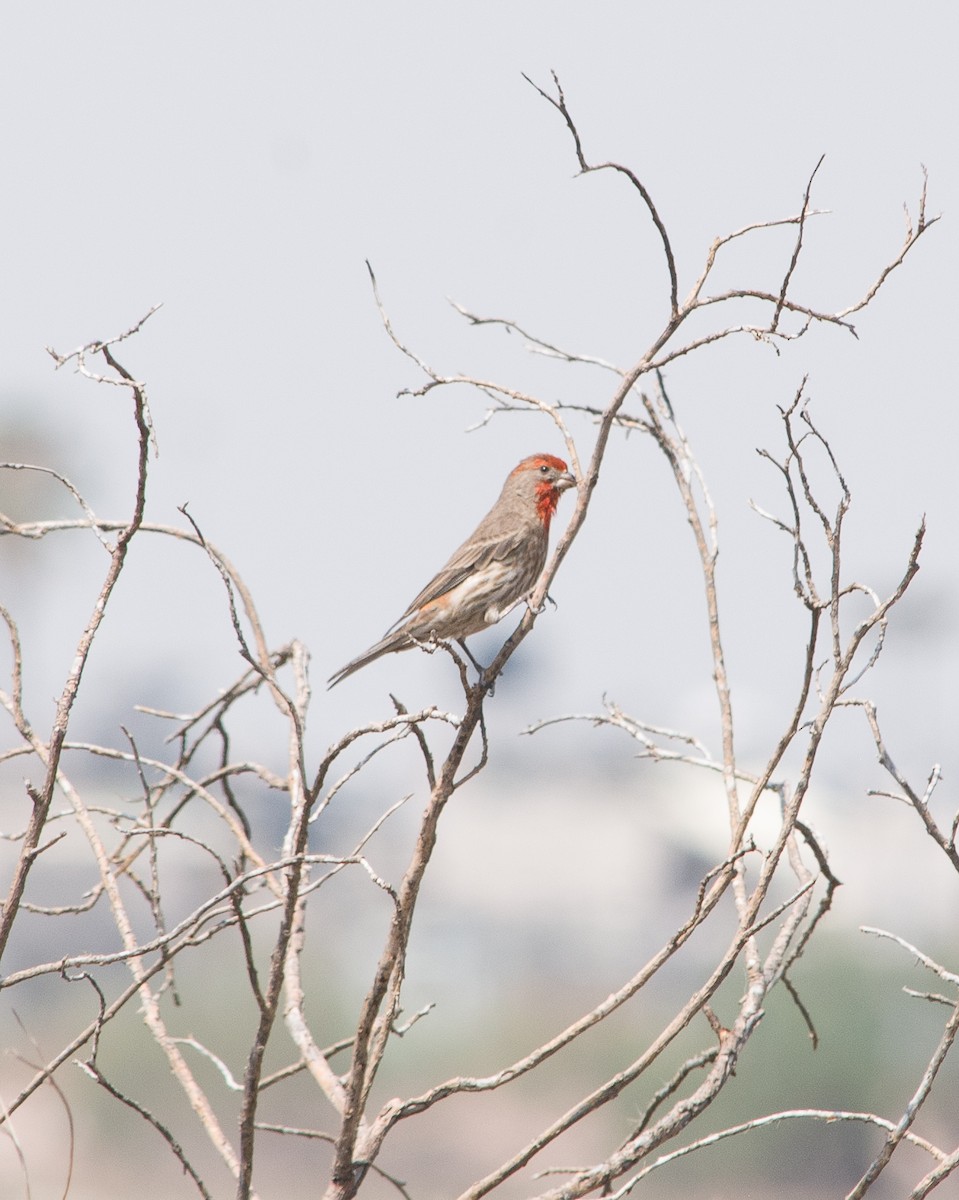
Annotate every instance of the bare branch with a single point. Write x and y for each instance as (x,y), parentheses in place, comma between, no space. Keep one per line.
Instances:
(98,1077)
(559,103)
(881,1161)
(796,249)
(912,236)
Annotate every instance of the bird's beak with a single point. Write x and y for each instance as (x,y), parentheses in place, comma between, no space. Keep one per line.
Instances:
(566,480)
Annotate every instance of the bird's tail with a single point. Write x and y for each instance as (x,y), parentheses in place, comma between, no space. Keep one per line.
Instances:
(393,641)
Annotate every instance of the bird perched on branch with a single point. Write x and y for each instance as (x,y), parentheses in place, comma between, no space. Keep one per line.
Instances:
(497,565)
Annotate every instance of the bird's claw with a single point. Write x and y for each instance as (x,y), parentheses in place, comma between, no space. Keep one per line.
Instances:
(542,608)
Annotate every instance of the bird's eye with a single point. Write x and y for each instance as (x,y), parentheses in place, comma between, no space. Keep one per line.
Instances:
(544,469)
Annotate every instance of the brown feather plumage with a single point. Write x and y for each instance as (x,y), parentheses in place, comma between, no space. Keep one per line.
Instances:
(495,567)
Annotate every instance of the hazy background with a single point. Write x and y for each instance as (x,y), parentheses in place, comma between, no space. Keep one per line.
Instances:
(239,162)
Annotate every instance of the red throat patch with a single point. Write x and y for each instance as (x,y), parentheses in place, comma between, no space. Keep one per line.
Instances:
(547,497)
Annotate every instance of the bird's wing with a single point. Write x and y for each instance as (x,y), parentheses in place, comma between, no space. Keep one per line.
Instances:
(473,555)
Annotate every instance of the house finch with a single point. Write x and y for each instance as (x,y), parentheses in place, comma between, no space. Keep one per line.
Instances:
(497,565)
